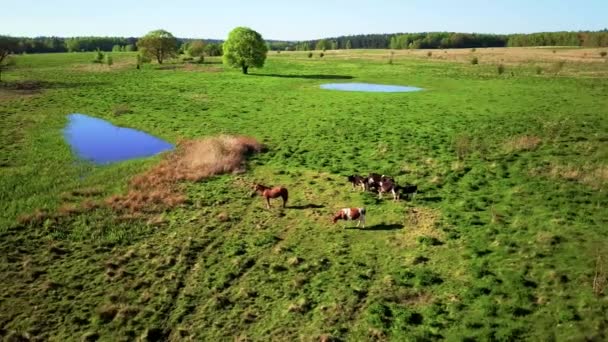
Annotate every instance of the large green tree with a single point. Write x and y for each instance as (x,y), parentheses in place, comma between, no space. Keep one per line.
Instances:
(8,45)
(245,48)
(158,44)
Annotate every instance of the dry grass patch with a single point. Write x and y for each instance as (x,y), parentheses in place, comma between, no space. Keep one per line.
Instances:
(594,176)
(192,160)
(420,222)
(522,143)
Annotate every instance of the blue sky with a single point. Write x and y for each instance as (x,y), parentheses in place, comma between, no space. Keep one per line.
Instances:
(296,20)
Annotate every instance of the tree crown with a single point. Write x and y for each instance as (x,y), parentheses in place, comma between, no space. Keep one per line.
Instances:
(245,48)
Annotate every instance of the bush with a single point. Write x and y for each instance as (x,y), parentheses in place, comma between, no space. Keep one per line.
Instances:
(310,55)
(603,53)
(500,69)
(429,54)
(99,56)
(474,61)
(321,54)
(109,60)
(539,70)
(473,49)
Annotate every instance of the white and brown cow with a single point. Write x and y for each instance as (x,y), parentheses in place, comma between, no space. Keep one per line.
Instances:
(351,214)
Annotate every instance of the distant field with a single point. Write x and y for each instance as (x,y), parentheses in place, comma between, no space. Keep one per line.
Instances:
(506,240)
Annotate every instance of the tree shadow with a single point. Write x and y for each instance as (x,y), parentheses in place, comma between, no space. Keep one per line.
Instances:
(312,77)
(33,85)
(306,206)
(381,226)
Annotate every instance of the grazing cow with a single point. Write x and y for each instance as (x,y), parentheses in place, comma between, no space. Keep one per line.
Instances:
(357,180)
(271,192)
(351,214)
(373,181)
(388,185)
(407,190)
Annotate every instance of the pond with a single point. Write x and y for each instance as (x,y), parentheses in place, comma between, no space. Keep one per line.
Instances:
(369,87)
(101,142)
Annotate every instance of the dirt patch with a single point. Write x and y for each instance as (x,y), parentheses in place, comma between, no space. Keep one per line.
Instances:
(102,67)
(192,160)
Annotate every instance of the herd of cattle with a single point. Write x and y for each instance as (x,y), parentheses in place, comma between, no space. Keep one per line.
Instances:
(383,184)
(373,182)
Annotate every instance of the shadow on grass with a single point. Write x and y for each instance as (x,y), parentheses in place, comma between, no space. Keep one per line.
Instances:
(312,77)
(306,206)
(382,226)
(34,85)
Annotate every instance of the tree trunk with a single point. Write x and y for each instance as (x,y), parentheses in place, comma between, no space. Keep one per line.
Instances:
(245,67)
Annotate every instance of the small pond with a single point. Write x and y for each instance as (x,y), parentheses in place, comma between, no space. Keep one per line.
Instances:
(369,87)
(101,142)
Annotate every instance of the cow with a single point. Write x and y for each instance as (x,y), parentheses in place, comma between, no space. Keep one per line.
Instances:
(350,214)
(357,180)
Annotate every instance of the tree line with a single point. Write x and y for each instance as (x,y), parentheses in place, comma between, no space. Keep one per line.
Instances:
(446,40)
(425,40)
(84,44)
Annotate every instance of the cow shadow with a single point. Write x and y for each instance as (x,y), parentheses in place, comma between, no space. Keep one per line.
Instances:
(381,226)
(306,206)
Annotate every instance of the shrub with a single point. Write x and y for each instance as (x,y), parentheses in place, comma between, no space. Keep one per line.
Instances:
(474,61)
(500,69)
(429,54)
(603,53)
(109,60)
(473,49)
(321,54)
(539,70)
(310,55)
(99,56)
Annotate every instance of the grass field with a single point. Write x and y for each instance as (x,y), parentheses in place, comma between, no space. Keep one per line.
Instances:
(506,240)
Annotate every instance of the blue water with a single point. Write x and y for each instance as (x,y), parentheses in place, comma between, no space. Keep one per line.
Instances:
(101,142)
(369,87)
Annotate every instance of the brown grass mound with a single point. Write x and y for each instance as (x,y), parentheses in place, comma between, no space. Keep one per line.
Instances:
(192,160)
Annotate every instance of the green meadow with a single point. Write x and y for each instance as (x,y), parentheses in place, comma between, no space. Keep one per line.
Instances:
(506,239)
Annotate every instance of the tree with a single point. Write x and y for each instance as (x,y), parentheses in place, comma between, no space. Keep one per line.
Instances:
(8,45)
(322,45)
(245,48)
(213,49)
(158,44)
(349,45)
(196,48)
